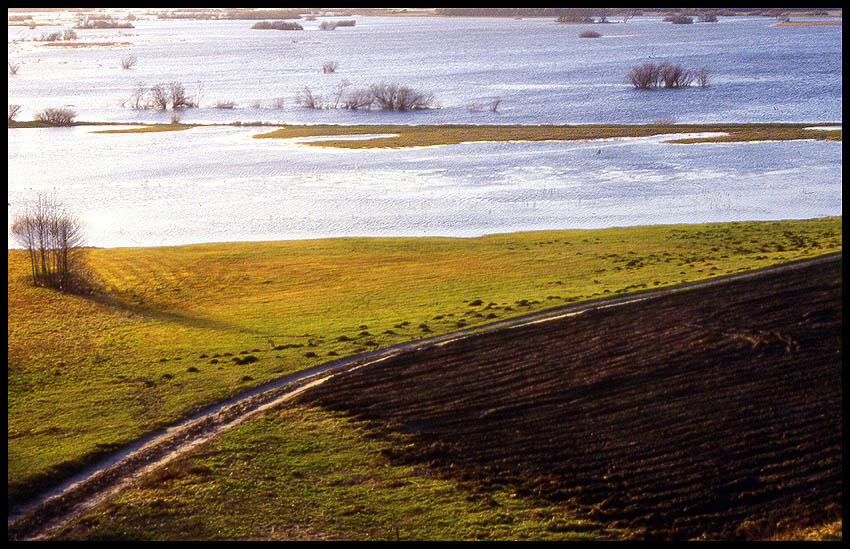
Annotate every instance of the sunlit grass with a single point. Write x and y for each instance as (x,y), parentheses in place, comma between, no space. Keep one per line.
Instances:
(151,128)
(87,374)
(421,136)
(306,474)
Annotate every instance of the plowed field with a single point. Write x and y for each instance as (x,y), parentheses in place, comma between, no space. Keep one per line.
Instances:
(711,412)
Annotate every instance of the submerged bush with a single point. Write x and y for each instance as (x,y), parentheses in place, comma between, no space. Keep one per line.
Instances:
(93,22)
(276,25)
(589,34)
(160,96)
(388,97)
(392,97)
(679,19)
(56,116)
(650,76)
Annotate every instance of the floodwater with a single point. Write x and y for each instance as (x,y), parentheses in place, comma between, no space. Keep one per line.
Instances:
(212,184)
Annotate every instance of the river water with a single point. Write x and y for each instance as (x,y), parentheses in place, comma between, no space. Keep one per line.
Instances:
(212,184)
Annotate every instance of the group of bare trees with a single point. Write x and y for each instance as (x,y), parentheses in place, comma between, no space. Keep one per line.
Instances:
(650,76)
(160,96)
(53,239)
(387,97)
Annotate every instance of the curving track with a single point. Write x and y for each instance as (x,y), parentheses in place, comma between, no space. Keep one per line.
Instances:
(585,402)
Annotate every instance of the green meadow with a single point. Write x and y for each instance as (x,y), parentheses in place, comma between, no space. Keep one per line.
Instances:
(171,329)
(304,474)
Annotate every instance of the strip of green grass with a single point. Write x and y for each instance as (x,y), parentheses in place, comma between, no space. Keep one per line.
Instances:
(421,136)
(88,374)
(306,474)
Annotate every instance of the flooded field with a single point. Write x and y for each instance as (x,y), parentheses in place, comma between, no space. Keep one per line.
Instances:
(218,184)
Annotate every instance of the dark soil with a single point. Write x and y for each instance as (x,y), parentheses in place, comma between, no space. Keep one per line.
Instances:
(711,412)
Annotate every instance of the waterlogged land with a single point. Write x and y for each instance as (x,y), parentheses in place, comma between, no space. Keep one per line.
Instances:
(174,328)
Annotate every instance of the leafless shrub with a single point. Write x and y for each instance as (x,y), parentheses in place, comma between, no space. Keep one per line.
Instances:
(327,25)
(392,97)
(14,110)
(56,116)
(277,103)
(492,106)
(256,104)
(103,22)
(224,104)
(69,34)
(644,77)
(346,23)
(589,34)
(358,99)
(329,67)
(305,98)
(128,62)
(702,77)
(158,97)
(675,76)
(177,93)
(276,25)
(13,68)
(707,18)
(49,36)
(137,100)
(679,19)
(53,238)
(650,76)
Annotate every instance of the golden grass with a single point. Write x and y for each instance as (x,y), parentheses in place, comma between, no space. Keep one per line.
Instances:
(423,136)
(151,128)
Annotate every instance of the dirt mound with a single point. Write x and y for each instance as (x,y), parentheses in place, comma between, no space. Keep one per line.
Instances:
(714,411)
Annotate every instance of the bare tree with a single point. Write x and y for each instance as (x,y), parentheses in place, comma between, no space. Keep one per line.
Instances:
(53,238)
(306,99)
(361,98)
(329,67)
(675,76)
(13,112)
(13,68)
(702,77)
(177,93)
(137,100)
(158,95)
(128,62)
(644,77)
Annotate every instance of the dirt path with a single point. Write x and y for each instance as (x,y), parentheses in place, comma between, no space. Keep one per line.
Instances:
(84,491)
